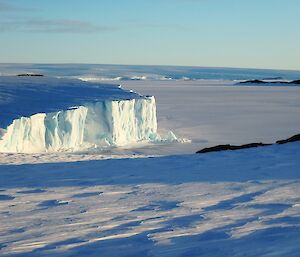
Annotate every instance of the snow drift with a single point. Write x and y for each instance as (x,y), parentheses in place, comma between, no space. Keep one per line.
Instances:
(111,120)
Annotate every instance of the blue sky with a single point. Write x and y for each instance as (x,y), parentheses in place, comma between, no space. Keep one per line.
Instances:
(222,33)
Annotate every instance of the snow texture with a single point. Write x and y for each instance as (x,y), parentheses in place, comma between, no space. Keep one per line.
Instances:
(230,204)
(104,116)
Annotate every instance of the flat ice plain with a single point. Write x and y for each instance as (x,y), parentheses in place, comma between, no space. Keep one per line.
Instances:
(211,112)
(243,203)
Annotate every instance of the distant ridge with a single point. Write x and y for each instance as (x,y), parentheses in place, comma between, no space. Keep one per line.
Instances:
(257,81)
(30,75)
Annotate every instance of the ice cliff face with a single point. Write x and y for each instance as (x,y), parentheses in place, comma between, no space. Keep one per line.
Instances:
(103,123)
(50,114)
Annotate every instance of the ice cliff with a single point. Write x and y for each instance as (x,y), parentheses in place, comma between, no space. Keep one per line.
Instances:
(46,115)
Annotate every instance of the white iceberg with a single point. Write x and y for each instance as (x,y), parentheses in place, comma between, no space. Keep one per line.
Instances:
(113,117)
(107,123)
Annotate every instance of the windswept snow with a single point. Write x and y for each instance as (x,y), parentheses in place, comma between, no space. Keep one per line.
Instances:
(231,204)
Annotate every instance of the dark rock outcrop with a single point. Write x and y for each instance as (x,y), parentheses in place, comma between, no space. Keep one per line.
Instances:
(219,148)
(257,81)
(289,140)
(227,147)
(295,82)
(30,75)
(254,81)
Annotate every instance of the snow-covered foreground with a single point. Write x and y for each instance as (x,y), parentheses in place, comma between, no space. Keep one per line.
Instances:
(243,203)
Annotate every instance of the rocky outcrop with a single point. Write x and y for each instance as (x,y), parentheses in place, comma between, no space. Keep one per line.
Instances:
(257,81)
(30,75)
(227,147)
(220,148)
(295,82)
(289,140)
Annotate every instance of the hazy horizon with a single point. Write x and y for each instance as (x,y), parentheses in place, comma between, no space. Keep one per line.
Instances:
(145,65)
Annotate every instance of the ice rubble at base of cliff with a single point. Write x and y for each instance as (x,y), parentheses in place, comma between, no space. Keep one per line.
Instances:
(112,122)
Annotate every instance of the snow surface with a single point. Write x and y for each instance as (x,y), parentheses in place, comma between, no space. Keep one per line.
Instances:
(57,115)
(243,203)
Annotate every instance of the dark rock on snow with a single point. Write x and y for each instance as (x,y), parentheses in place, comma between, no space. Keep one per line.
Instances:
(254,81)
(257,81)
(295,82)
(30,75)
(289,140)
(219,148)
(227,147)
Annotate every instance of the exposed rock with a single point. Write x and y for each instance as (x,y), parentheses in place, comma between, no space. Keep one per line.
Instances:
(227,147)
(254,81)
(289,140)
(257,81)
(30,75)
(295,82)
(219,148)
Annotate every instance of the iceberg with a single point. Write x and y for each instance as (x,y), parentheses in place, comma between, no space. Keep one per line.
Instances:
(107,123)
(106,116)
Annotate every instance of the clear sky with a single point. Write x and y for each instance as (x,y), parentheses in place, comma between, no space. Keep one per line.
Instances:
(220,33)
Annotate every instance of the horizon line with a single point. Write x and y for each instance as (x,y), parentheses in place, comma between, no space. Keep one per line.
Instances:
(147,65)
